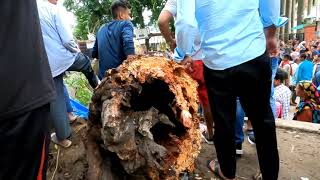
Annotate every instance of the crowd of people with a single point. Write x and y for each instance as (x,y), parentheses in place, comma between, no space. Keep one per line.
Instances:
(299,72)
(230,49)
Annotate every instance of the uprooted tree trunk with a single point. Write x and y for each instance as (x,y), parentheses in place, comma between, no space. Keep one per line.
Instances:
(134,128)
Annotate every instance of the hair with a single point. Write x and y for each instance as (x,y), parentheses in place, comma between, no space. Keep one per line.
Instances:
(303,55)
(287,56)
(281,75)
(117,5)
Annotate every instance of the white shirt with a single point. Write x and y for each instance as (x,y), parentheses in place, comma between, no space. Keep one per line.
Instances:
(282,94)
(56,35)
(171,6)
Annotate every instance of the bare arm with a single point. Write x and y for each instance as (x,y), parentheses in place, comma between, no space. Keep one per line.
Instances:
(271,38)
(164,26)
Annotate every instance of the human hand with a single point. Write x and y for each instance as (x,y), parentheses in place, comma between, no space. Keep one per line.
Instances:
(187,63)
(186,119)
(272,47)
(271,41)
(172,44)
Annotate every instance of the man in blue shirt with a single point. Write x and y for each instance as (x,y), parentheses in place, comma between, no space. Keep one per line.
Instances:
(238,38)
(114,41)
(305,70)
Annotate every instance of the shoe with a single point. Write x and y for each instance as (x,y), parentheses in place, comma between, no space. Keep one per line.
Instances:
(239,150)
(251,138)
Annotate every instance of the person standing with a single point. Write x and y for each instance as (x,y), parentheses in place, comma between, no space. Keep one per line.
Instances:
(286,66)
(305,69)
(168,13)
(64,55)
(235,37)
(114,40)
(26,92)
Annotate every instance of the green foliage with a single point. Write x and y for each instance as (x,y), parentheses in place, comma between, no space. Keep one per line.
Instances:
(91,14)
(78,82)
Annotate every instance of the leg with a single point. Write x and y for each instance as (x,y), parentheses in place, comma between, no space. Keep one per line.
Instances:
(67,99)
(83,64)
(293,96)
(198,75)
(274,67)
(223,108)
(254,81)
(23,150)
(209,120)
(59,111)
(239,123)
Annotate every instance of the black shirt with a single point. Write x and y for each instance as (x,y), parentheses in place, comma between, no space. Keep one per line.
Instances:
(25,77)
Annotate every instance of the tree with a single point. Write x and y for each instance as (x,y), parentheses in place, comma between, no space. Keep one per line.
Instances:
(91,14)
(288,14)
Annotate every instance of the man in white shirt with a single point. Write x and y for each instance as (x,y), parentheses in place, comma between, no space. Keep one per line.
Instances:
(168,13)
(63,55)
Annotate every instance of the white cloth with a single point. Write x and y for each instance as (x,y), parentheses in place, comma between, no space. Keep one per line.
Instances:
(282,94)
(171,6)
(56,37)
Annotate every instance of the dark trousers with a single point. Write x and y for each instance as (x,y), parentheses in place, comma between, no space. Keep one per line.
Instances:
(24,145)
(250,82)
(82,64)
(59,117)
(294,95)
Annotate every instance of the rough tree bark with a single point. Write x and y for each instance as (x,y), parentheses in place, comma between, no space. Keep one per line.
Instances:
(134,127)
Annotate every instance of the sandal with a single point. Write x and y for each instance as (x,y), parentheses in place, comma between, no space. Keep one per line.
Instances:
(72,118)
(258,176)
(216,168)
(67,143)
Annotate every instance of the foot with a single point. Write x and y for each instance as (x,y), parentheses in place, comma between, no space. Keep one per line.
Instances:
(251,137)
(239,150)
(215,168)
(206,138)
(258,176)
(64,143)
(72,117)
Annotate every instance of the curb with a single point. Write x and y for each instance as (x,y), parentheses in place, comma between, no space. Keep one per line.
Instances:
(298,125)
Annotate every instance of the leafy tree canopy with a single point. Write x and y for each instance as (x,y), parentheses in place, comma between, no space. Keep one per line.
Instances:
(91,14)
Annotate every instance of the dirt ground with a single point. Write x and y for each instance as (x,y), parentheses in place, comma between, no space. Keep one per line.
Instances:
(299,155)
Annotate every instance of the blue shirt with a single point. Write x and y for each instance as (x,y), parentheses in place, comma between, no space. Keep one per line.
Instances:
(114,42)
(56,35)
(232,32)
(305,71)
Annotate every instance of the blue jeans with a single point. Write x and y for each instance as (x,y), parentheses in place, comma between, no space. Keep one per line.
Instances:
(274,67)
(58,108)
(239,123)
(67,99)
(240,113)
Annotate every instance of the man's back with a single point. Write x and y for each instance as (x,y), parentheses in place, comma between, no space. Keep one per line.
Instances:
(55,36)
(231,31)
(114,42)
(25,74)
(305,71)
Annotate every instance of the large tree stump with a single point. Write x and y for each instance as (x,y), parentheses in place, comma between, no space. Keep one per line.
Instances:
(134,128)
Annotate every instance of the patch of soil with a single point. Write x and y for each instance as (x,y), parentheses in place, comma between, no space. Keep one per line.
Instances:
(72,163)
(299,157)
